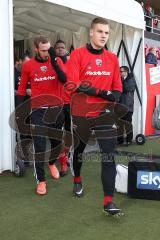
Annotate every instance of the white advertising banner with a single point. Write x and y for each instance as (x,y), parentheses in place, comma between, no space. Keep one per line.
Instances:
(154,75)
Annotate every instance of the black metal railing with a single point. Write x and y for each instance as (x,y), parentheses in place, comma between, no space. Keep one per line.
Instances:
(153,24)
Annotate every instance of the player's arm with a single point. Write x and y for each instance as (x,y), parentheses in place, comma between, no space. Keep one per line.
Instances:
(21,93)
(112,96)
(57,66)
(73,71)
(86,88)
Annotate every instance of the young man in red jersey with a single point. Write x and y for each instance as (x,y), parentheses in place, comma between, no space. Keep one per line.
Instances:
(93,73)
(46,76)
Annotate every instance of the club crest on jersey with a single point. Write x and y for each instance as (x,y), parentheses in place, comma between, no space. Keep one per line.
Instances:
(99,62)
(43,68)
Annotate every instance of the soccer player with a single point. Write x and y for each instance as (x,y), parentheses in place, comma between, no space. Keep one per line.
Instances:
(46,76)
(93,76)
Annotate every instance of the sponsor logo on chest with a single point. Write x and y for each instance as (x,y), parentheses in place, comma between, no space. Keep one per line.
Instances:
(97,73)
(40,79)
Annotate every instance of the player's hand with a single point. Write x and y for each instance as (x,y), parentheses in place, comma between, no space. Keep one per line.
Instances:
(108,95)
(28,92)
(87,90)
(52,53)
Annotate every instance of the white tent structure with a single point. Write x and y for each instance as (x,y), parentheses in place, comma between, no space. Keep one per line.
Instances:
(68,20)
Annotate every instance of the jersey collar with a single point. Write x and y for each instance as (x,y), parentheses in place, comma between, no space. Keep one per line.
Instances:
(92,50)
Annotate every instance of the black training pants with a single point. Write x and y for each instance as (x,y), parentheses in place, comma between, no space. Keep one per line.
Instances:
(106,137)
(46,123)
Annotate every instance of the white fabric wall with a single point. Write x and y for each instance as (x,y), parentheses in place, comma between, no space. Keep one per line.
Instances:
(131,37)
(6,81)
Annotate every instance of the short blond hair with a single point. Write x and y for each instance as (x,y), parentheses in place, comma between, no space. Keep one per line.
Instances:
(99,20)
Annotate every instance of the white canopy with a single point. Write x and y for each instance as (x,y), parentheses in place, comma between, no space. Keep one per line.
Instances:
(127,12)
(68,20)
(60,16)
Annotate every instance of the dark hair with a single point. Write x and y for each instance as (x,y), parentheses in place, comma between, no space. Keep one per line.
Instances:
(125,68)
(25,55)
(40,39)
(60,41)
(99,20)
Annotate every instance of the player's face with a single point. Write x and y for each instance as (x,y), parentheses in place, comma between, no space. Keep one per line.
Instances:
(60,49)
(99,35)
(42,50)
(154,51)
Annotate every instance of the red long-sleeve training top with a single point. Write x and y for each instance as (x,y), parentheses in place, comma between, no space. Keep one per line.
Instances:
(46,89)
(100,70)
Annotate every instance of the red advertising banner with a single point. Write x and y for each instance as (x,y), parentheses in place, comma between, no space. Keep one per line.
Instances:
(153,89)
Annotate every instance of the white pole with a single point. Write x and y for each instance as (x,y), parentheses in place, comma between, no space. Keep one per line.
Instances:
(7,85)
(144,90)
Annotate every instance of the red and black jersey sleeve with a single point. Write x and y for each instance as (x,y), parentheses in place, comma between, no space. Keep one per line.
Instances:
(61,64)
(24,79)
(73,69)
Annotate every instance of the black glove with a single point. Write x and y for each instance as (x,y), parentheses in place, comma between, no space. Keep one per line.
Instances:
(61,75)
(108,95)
(87,90)
(52,54)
